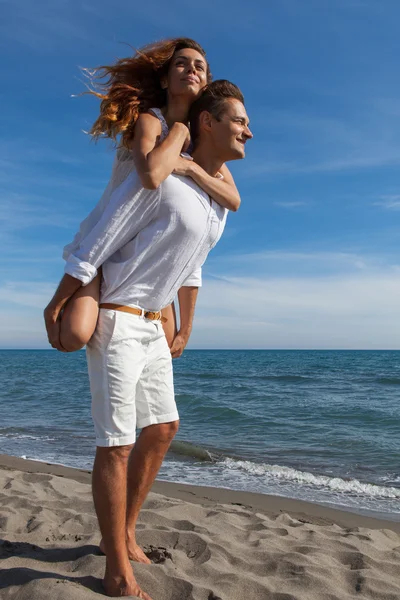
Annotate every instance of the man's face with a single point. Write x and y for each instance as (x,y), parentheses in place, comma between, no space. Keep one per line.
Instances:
(231,131)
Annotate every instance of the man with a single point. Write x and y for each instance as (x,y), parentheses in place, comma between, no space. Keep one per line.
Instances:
(151,245)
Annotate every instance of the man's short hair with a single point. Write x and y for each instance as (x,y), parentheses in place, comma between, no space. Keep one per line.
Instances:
(212,99)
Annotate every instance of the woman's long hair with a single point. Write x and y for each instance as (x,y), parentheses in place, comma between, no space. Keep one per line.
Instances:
(133,85)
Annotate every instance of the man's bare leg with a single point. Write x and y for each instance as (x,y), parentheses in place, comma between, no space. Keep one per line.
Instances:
(109,493)
(144,464)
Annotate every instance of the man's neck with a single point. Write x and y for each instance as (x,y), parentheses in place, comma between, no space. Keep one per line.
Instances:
(207,159)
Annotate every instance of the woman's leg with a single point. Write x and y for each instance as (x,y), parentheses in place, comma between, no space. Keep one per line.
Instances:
(79,317)
(170,326)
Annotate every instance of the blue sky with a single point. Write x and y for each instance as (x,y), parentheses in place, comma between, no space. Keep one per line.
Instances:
(311,258)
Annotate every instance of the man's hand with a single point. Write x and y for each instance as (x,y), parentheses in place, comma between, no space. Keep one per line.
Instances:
(187,296)
(183,167)
(179,344)
(53,322)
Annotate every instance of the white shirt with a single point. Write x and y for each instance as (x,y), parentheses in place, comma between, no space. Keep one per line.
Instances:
(149,242)
(123,166)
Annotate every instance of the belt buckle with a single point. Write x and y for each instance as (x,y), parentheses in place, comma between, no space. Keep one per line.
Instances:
(149,314)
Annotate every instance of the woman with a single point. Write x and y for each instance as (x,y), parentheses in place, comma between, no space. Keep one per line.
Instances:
(145,104)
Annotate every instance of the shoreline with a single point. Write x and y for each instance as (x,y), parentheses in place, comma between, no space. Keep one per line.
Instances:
(270,505)
(204,543)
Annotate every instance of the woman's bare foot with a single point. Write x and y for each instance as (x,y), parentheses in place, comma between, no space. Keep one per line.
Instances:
(118,587)
(134,552)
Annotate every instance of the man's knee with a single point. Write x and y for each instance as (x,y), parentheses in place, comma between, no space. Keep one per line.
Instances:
(115,453)
(165,432)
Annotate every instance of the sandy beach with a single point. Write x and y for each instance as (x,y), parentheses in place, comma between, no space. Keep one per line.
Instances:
(206,543)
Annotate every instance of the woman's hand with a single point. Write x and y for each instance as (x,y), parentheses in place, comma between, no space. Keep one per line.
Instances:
(155,161)
(183,167)
(53,323)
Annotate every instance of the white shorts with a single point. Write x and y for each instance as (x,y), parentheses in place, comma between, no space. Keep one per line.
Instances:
(130,373)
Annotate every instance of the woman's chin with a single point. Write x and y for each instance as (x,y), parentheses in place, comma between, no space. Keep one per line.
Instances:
(191,91)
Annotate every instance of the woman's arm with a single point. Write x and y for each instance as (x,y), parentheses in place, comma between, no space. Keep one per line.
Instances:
(129,210)
(155,162)
(222,190)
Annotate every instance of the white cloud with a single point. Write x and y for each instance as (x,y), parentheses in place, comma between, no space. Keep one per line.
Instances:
(22,329)
(23,211)
(285,262)
(389,201)
(43,25)
(291,204)
(304,143)
(28,294)
(357,311)
(21,314)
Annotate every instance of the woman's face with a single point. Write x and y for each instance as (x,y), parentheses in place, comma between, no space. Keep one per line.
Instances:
(187,74)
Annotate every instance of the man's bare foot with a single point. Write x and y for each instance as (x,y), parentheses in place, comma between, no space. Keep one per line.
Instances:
(118,587)
(134,552)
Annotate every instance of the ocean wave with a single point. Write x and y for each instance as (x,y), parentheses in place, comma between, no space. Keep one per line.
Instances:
(252,377)
(287,378)
(191,450)
(336,484)
(25,436)
(210,411)
(388,380)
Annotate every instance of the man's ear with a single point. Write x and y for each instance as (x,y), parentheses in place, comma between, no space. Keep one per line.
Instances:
(164,82)
(205,120)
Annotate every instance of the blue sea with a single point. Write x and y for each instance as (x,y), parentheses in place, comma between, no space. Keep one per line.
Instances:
(322,426)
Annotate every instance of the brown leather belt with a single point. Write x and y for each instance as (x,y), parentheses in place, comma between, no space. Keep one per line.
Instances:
(147,314)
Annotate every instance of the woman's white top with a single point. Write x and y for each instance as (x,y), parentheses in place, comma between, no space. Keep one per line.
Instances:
(148,242)
(123,166)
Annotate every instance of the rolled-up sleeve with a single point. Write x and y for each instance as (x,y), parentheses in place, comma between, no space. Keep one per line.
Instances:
(80,269)
(194,279)
(130,208)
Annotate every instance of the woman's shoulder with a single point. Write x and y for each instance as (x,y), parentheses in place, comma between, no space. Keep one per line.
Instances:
(148,123)
(157,113)
(153,115)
